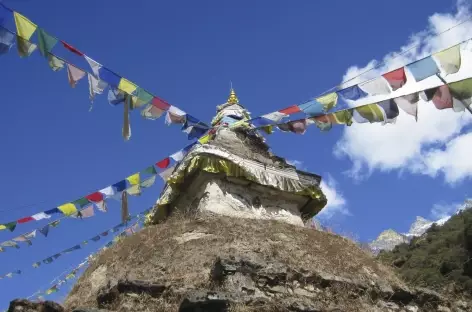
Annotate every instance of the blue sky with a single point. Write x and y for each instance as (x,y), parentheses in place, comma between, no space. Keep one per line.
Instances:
(276,53)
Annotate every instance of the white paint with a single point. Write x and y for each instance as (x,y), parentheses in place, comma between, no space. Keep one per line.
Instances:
(241,199)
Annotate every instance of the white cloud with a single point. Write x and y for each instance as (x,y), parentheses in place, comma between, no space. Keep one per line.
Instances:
(297,163)
(440,211)
(434,145)
(336,202)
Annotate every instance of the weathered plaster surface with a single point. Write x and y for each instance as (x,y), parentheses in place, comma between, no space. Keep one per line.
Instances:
(239,198)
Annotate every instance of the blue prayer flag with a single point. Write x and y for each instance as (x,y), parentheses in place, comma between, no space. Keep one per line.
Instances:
(261,122)
(6,40)
(109,76)
(352,93)
(423,69)
(52,211)
(120,186)
(115,96)
(312,108)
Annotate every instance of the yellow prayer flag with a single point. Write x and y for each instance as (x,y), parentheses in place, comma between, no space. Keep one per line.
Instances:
(67,209)
(328,101)
(2,227)
(127,86)
(204,139)
(134,179)
(24,27)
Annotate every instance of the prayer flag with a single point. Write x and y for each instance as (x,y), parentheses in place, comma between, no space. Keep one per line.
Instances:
(36,264)
(160,103)
(389,110)
(25,48)
(151,112)
(108,191)
(142,97)
(450,59)
(368,113)
(108,76)
(55,63)
(120,186)
(71,48)
(95,197)
(297,126)
(396,78)
(134,179)
(24,27)
(52,211)
(409,103)
(51,290)
(6,40)
(11,226)
(275,116)
(44,230)
(115,96)
(163,163)
(87,212)
(376,86)
(328,101)
(81,202)
(462,94)
(178,156)
(440,96)
(134,190)
(290,110)
(2,227)
(165,175)
(10,244)
(74,74)
(150,170)
(46,42)
(102,206)
(148,182)
(312,108)
(423,68)
(76,247)
(175,115)
(25,220)
(94,65)
(40,216)
(260,122)
(96,86)
(67,209)
(55,223)
(127,86)
(96,238)
(204,139)
(352,93)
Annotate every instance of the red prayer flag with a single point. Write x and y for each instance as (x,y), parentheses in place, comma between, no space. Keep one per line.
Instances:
(163,163)
(290,110)
(95,197)
(396,78)
(71,48)
(160,103)
(442,97)
(24,220)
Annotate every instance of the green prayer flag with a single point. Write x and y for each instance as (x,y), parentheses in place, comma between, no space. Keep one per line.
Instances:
(25,48)
(81,202)
(143,96)
(46,42)
(11,226)
(150,170)
(461,90)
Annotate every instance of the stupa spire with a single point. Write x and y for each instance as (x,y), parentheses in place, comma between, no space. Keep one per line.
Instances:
(233,98)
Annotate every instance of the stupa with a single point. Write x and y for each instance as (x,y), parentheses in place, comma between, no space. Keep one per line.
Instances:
(235,174)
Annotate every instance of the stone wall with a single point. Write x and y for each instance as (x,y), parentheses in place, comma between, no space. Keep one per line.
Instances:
(234,197)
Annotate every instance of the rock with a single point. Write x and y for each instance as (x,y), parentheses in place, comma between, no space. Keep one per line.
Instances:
(23,305)
(411,308)
(443,309)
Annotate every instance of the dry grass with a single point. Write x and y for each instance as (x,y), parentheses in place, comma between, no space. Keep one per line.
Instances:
(154,254)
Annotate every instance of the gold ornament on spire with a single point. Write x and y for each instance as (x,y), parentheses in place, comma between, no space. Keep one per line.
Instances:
(233,98)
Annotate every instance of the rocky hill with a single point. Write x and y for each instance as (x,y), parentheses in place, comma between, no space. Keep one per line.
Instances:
(440,259)
(240,265)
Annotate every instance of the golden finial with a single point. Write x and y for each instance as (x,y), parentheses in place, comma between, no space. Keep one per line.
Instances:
(233,98)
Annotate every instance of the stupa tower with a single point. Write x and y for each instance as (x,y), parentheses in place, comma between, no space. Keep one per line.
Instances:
(235,174)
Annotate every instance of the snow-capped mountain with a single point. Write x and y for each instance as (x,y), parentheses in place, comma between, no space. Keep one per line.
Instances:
(388,239)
